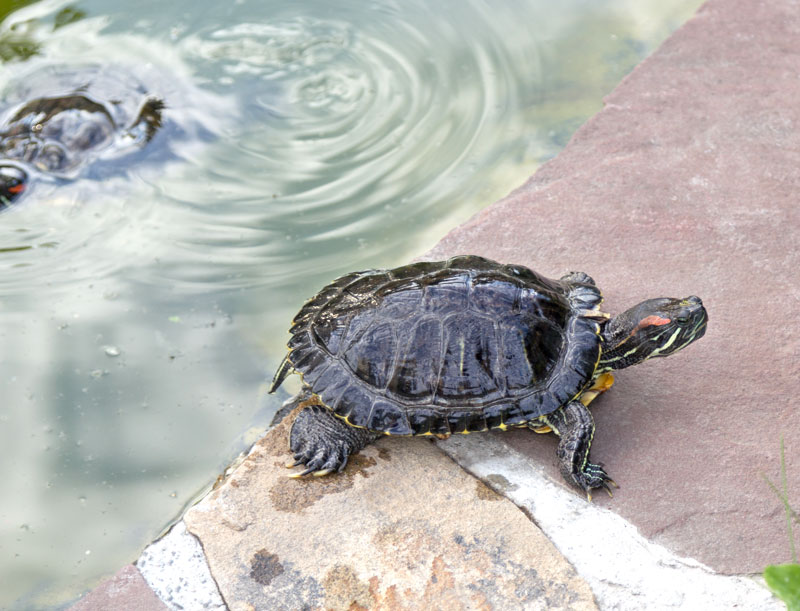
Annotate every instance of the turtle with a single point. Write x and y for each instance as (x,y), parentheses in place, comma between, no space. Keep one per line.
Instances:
(67,117)
(466,345)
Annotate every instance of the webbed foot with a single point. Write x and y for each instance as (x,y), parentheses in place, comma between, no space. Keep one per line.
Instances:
(322,442)
(148,122)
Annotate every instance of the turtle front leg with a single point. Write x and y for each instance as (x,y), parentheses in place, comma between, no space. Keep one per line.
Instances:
(323,443)
(574,424)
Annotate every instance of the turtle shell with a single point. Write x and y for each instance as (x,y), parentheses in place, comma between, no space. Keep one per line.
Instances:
(456,346)
(65,116)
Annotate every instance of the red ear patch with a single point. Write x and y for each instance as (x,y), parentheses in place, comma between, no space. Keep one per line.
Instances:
(651,321)
(16,189)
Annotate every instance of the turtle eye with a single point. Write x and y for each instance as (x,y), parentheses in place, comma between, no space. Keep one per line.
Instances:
(682,320)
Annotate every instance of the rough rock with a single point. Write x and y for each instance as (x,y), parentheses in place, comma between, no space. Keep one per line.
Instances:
(403,527)
(686,183)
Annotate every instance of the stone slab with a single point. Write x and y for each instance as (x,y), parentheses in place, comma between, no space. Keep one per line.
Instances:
(126,590)
(403,527)
(686,183)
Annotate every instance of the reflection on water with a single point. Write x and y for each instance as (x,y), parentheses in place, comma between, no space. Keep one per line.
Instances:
(142,308)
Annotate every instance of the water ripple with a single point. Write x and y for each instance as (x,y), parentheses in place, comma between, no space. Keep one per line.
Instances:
(356,136)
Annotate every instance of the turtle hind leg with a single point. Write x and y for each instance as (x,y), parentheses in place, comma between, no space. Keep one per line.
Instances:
(574,424)
(322,442)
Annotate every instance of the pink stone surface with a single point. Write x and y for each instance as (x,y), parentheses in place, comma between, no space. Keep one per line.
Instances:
(126,590)
(686,183)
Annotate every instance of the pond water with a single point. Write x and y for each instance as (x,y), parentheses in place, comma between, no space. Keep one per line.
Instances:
(144,304)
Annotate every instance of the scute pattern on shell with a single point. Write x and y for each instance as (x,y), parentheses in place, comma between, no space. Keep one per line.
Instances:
(463,345)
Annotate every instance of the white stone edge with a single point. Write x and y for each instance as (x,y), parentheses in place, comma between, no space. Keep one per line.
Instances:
(176,569)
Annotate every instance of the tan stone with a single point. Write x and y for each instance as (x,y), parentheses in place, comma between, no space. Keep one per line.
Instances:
(403,527)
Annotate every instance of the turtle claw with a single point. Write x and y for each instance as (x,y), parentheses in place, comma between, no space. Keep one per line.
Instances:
(592,477)
(322,443)
(313,470)
(605,486)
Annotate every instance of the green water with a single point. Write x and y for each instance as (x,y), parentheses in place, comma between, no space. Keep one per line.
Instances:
(141,313)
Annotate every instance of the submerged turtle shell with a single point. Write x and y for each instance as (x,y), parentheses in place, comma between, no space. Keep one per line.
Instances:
(65,116)
(457,346)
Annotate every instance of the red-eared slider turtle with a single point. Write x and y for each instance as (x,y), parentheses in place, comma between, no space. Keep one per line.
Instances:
(68,116)
(464,346)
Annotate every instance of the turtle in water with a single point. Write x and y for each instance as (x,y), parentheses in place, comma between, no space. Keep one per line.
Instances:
(463,346)
(68,117)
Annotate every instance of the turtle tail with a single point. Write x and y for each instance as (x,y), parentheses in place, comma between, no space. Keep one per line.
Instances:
(284,370)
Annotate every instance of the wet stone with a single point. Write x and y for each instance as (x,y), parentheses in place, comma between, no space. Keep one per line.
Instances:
(125,590)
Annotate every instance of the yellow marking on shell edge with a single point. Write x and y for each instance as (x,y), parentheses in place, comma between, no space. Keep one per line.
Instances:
(542,429)
(502,426)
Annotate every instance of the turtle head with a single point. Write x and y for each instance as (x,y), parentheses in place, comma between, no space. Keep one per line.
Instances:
(13,181)
(656,327)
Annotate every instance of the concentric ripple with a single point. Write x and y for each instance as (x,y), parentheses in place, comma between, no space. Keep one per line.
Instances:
(361,127)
